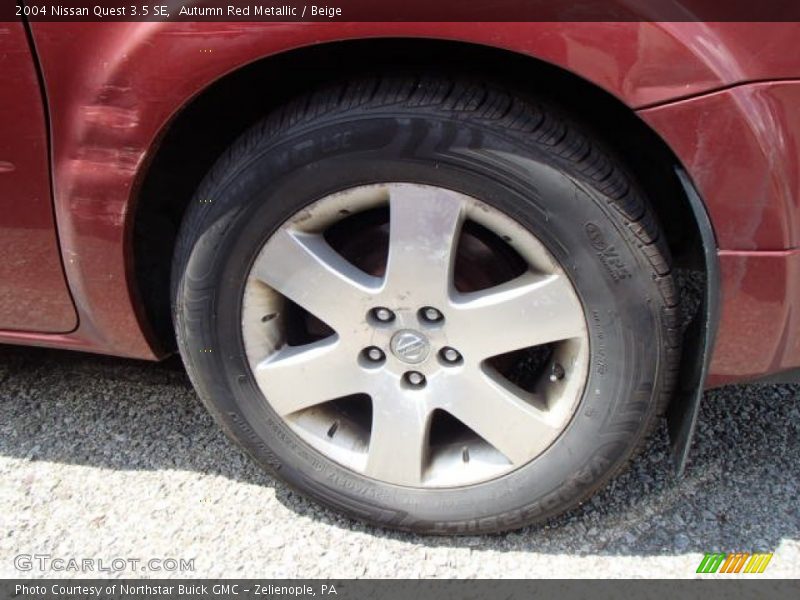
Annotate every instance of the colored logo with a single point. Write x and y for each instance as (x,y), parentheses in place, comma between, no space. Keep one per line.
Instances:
(734,562)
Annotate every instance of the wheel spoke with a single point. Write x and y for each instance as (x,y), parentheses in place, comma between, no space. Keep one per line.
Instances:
(298,377)
(398,443)
(307,270)
(506,421)
(529,311)
(423,233)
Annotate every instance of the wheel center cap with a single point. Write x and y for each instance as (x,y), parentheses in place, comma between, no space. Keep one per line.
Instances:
(410,346)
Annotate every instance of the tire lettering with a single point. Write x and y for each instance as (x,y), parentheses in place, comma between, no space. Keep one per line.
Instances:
(607,253)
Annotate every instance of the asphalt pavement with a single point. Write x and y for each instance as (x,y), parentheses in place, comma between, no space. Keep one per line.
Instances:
(107,459)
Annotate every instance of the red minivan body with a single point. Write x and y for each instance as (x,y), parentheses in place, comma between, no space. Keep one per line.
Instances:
(84,108)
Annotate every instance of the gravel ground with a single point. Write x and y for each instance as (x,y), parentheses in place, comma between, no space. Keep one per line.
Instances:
(104,458)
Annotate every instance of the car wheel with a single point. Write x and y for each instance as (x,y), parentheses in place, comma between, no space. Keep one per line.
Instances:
(432,305)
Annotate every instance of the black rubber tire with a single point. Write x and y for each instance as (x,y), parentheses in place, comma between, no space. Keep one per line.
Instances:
(513,153)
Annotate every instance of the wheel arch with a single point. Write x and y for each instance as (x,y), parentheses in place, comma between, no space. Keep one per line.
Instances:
(194,138)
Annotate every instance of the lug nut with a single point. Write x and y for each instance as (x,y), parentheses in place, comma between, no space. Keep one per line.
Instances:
(450,355)
(430,314)
(383,315)
(374,354)
(415,378)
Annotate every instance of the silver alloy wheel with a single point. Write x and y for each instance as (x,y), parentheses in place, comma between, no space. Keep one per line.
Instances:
(408,345)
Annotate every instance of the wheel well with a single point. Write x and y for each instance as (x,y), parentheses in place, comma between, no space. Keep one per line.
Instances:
(212,121)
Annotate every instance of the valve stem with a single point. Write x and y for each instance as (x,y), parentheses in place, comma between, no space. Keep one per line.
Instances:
(333,429)
(556,372)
